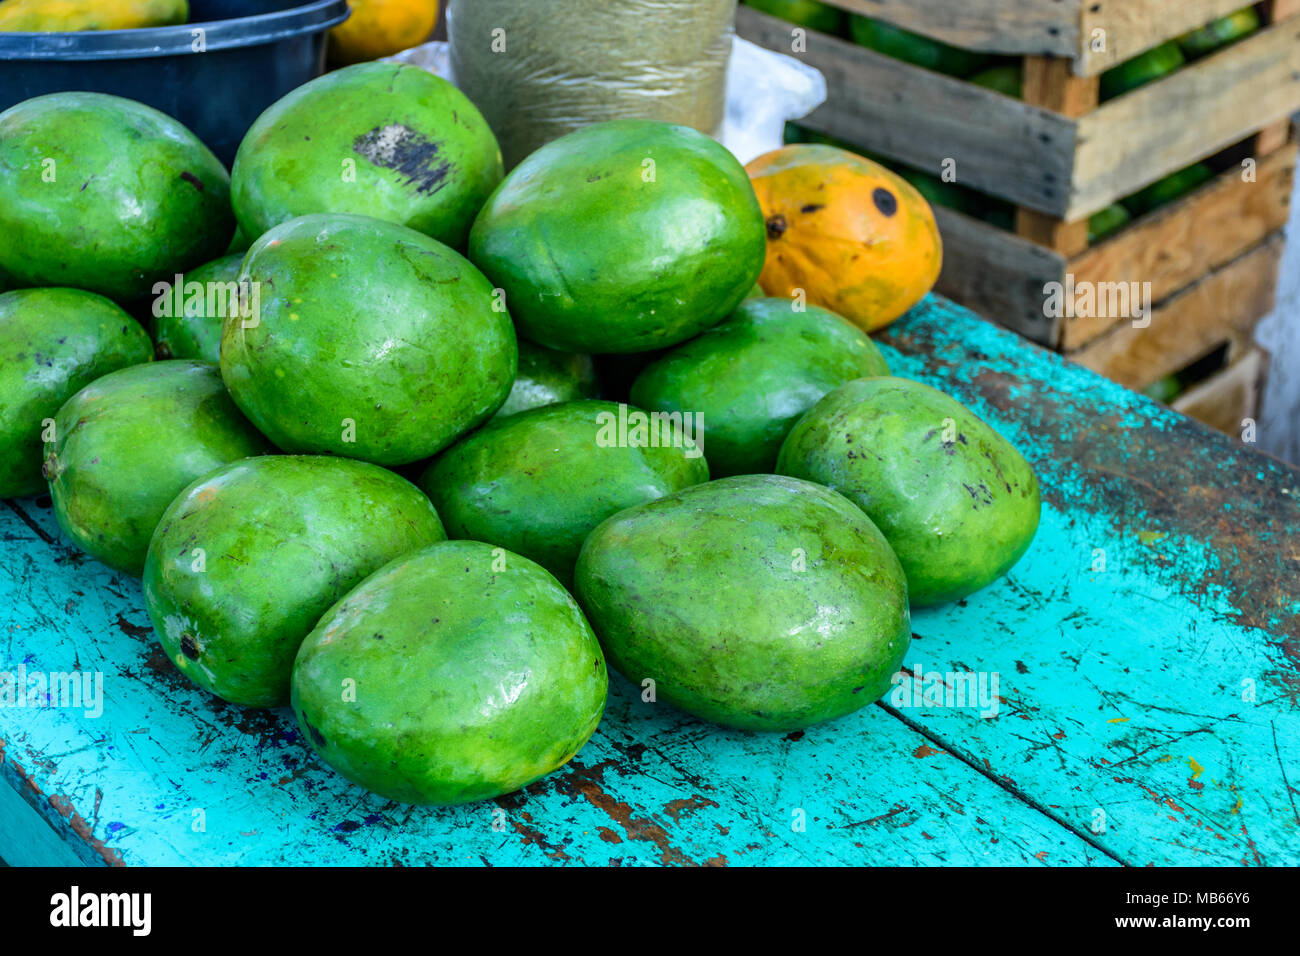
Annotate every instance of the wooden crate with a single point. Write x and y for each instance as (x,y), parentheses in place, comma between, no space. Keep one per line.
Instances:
(1226,400)
(1057,153)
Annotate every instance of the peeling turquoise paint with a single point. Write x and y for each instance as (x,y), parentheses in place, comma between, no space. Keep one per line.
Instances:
(1147,712)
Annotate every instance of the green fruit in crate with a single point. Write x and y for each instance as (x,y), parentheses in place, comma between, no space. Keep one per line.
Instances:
(53,342)
(130,442)
(536,483)
(106,194)
(758,602)
(1165,389)
(1164,191)
(939,193)
(546,376)
(474,674)
(622,237)
(1220,32)
(1007,80)
(379,139)
(750,379)
(245,561)
(956,500)
(805,13)
(913,47)
(189,327)
(370,340)
(1111,219)
(1142,69)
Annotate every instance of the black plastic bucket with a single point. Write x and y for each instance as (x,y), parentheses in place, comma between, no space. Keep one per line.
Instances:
(216,74)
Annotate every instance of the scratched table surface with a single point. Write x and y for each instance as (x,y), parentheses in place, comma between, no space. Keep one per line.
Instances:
(1145,711)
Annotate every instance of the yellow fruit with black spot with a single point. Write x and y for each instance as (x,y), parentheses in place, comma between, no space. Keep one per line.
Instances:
(379,28)
(71,16)
(853,236)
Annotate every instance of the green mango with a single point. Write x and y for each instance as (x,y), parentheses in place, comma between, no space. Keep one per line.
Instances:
(805,13)
(1219,33)
(474,673)
(53,342)
(622,237)
(245,561)
(1142,69)
(239,242)
(106,194)
(371,341)
(1165,389)
(752,377)
(1109,220)
(130,442)
(546,376)
(1164,191)
(957,502)
(914,48)
(193,331)
(758,602)
(1006,79)
(380,139)
(756,292)
(536,483)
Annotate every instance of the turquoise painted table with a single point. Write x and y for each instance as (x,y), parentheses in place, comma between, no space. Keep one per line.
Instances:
(1145,710)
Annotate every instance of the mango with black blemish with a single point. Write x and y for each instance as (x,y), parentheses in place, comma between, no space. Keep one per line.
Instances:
(106,194)
(845,232)
(758,601)
(957,502)
(377,139)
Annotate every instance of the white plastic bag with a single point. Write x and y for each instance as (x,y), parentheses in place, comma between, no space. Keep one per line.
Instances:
(764,91)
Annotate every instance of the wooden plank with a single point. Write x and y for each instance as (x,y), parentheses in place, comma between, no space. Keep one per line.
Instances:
(1137,138)
(1175,246)
(1000,145)
(1228,398)
(1130,27)
(1067,238)
(1049,27)
(999,274)
(1219,308)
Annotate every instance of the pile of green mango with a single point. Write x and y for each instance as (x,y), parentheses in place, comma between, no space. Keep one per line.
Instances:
(414,447)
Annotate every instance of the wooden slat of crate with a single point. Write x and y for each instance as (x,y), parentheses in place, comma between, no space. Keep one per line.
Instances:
(1003,276)
(1136,139)
(1225,399)
(1068,167)
(1062,28)
(1223,307)
(1002,146)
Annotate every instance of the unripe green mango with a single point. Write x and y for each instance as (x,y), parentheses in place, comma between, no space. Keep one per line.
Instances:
(106,194)
(759,601)
(130,442)
(474,673)
(380,139)
(194,330)
(957,502)
(371,341)
(622,237)
(536,483)
(753,376)
(805,13)
(53,342)
(245,561)
(546,376)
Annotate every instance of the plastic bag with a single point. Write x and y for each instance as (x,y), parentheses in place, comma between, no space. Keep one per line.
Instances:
(542,68)
(764,90)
